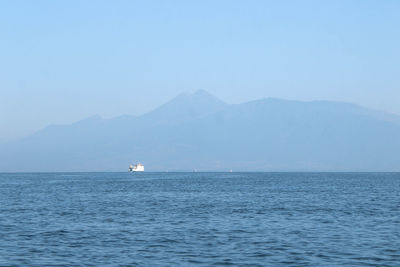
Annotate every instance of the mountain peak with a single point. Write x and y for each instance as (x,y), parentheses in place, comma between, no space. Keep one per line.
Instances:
(187,106)
(199,94)
(202,92)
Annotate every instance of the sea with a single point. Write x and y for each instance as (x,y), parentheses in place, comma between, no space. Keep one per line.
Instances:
(200,219)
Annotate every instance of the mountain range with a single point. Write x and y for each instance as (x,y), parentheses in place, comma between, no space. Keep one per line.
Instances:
(199,131)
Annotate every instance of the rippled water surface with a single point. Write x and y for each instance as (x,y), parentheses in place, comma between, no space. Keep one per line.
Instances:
(161,219)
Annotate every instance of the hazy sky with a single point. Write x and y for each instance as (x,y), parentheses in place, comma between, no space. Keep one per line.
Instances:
(62,61)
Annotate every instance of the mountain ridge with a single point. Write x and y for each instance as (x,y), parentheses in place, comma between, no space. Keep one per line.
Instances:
(199,131)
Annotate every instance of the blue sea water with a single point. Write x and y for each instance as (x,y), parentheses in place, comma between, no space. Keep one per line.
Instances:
(178,219)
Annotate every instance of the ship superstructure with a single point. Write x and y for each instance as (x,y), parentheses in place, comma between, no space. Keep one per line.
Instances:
(136,168)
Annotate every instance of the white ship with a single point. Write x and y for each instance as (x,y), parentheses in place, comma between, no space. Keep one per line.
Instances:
(136,168)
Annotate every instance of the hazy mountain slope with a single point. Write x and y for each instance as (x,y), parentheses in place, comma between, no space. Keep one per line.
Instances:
(199,131)
(184,107)
(93,143)
(288,135)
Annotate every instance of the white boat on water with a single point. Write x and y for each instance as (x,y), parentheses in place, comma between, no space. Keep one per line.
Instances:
(136,168)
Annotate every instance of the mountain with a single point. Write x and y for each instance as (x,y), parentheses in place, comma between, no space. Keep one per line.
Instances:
(184,107)
(199,131)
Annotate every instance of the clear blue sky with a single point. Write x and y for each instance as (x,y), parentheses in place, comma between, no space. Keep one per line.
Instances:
(65,60)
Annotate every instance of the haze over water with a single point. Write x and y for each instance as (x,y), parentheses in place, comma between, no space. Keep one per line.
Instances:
(161,219)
